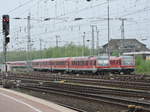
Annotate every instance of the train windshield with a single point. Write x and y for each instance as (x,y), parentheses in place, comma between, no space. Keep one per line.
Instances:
(128,60)
(102,61)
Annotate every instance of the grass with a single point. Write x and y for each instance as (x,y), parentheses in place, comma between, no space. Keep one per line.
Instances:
(142,66)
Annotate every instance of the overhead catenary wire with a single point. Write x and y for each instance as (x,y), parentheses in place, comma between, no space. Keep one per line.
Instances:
(23,4)
(127,14)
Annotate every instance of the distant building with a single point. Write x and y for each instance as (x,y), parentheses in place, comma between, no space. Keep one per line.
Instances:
(126,45)
(144,54)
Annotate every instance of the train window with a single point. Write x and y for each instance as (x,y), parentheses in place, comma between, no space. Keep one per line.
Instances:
(80,63)
(73,62)
(95,62)
(91,62)
(86,62)
(103,62)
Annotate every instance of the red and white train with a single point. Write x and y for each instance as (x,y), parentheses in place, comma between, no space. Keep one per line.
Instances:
(93,64)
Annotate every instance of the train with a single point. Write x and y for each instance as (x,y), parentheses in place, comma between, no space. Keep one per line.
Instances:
(90,64)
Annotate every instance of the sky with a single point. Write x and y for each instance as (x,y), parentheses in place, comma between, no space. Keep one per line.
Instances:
(63,25)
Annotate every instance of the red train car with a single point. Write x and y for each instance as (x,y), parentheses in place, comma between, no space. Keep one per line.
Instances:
(17,63)
(122,64)
(51,64)
(11,65)
(93,64)
(82,64)
(127,64)
(73,64)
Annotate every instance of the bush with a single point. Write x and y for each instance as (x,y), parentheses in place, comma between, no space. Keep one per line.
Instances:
(142,66)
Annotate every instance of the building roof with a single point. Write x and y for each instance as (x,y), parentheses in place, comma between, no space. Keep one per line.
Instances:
(129,45)
(119,41)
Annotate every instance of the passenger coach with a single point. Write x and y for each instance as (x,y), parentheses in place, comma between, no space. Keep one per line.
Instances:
(93,64)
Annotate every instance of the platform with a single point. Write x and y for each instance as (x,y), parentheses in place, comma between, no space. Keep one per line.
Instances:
(12,101)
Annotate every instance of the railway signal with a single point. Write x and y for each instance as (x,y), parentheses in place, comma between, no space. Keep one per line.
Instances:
(5,25)
(5,30)
(5,22)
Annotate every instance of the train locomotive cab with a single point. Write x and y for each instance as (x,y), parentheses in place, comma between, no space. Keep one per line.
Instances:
(115,64)
(102,64)
(127,64)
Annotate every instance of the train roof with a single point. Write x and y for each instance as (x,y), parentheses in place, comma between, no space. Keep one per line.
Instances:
(49,59)
(11,62)
(64,58)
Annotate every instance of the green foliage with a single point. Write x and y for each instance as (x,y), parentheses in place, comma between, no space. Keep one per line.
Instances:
(68,50)
(115,53)
(142,66)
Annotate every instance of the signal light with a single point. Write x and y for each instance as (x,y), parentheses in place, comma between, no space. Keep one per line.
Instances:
(5,23)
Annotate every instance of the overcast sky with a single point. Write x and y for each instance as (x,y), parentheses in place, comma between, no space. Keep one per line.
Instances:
(62,23)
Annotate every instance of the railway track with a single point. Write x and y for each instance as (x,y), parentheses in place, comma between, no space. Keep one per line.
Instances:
(137,94)
(88,81)
(115,100)
(116,96)
(102,90)
(90,89)
(133,77)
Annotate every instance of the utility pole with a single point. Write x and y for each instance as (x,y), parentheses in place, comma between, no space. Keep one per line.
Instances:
(108,50)
(89,47)
(83,48)
(57,45)
(40,47)
(5,53)
(93,44)
(28,40)
(57,42)
(122,33)
(97,46)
